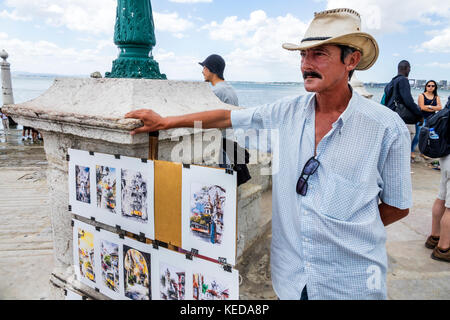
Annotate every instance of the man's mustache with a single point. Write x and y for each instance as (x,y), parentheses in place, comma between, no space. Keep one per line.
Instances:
(312,74)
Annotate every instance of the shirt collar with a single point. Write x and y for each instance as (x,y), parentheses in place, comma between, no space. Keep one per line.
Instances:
(350,107)
(310,105)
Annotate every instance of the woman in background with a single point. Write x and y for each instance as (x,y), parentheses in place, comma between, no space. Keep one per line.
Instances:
(429,102)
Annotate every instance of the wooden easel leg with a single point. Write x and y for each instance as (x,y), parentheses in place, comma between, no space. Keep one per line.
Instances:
(153,145)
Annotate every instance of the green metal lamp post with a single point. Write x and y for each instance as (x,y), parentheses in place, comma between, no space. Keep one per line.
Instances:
(134,34)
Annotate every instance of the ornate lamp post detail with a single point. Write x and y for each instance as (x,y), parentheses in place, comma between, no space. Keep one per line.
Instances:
(134,34)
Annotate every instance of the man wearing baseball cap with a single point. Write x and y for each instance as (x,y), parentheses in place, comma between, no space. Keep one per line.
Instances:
(344,169)
(213,68)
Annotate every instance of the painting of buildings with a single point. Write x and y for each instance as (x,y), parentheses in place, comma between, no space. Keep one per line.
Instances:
(106,188)
(134,195)
(86,254)
(82,184)
(136,268)
(207,212)
(172,283)
(208,288)
(110,265)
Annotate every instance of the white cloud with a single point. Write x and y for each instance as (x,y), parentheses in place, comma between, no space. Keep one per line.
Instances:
(171,22)
(438,65)
(48,57)
(13,15)
(95,17)
(177,66)
(386,16)
(258,53)
(80,15)
(439,43)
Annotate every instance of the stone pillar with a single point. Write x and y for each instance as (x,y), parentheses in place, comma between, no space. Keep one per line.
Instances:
(88,114)
(7,92)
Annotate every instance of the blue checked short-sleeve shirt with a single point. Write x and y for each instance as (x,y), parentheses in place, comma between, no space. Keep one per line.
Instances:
(333,240)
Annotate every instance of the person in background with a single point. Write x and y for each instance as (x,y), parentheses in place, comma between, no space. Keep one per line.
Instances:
(26,133)
(439,240)
(429,102)
(213,68)
(401,82)
(5,123)
(447,105)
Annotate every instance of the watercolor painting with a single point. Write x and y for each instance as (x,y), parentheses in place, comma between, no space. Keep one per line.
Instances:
(209,288)
(207,212)
(134,195)
(106,188)
(136,268)
(86,254)
(82,184)
(110,265)
(172,282)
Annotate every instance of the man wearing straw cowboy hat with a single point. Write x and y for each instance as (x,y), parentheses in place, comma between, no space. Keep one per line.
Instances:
(344,170)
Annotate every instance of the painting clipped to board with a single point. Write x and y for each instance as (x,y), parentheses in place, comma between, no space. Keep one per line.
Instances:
(209,212)
(117,191)
(126,269)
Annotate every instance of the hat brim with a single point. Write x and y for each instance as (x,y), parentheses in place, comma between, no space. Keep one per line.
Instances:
(361,41)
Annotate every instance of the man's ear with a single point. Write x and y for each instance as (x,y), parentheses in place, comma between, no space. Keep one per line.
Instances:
(353,60)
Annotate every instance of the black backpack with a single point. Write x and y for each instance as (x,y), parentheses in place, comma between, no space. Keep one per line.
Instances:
(440,147)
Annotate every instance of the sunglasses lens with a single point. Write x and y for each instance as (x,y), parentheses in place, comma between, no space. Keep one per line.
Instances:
(302,186)
(311,166)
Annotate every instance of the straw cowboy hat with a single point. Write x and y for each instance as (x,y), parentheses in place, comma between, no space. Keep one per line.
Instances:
(339,26)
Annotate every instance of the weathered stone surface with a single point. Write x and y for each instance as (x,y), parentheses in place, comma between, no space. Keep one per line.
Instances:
(95,108)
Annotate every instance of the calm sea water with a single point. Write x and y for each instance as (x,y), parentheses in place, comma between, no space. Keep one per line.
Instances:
(250,94)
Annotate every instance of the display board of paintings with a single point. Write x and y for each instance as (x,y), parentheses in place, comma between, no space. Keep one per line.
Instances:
(115,191)
(209,212)
(131,270)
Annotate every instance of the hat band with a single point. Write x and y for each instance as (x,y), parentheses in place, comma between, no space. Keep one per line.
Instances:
(316,39)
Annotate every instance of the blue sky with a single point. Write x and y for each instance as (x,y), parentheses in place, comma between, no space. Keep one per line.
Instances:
(75,37)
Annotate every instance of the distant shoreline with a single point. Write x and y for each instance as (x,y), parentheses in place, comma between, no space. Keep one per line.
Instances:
(49,76)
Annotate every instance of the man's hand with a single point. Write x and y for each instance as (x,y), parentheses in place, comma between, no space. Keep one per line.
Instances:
(391,214)
(152,121)
(219,118)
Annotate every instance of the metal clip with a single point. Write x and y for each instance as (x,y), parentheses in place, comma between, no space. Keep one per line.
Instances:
(223,261)
(191,254)
(120,232)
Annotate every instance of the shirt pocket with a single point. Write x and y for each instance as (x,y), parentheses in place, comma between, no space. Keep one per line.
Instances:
(344,199)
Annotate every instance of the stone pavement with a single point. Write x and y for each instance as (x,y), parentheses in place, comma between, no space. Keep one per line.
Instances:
(26,258)
(26,247)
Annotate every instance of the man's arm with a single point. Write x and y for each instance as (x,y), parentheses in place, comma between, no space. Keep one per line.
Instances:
(220,119)
(404,90)
(391,214)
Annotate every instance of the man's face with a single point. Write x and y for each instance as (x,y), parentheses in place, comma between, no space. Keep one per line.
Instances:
(408,70)
(207,75)
(322,68)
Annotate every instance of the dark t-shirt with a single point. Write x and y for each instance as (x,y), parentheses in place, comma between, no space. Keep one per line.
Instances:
(429,102)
